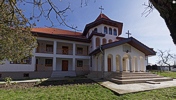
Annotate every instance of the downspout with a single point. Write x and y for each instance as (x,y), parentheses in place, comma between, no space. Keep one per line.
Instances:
(102,67)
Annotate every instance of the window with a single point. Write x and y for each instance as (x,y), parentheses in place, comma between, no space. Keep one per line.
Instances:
(115,32)
(110,31)
(95,30)
(104,41)
(79,50)
(23,61)
(110,40)
(49,48)
(48,62)
(105,30)
(26,75)
(97,42)
(126,48)
(65,50)
(79,63)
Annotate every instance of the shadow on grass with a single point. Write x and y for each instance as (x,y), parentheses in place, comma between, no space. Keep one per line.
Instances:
(68,81)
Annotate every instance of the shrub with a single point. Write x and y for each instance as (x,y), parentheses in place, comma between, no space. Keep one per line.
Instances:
(8,80)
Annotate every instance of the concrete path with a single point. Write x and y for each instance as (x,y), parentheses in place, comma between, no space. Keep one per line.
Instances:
(130,88)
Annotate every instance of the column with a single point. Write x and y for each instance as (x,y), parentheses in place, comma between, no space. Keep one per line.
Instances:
(114,63)
(121,65)
(74,48)
(54,63)
(54,55)
(138,64)
(73,59)
(130,65)
(73,64)
(55,47)
(33,62)
(105,63)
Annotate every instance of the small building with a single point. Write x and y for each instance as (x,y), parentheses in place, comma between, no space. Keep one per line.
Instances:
(99,48)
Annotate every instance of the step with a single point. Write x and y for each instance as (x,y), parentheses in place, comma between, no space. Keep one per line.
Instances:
(130,81)
(136,77)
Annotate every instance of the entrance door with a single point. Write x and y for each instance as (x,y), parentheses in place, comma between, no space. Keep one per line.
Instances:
(109,64)
(64,65)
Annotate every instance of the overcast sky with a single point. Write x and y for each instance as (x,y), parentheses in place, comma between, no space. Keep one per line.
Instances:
(150,30)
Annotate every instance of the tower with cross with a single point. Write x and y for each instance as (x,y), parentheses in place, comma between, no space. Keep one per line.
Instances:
(101,8)
(128,33)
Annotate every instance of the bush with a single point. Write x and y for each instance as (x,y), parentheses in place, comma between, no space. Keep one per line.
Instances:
(8,80)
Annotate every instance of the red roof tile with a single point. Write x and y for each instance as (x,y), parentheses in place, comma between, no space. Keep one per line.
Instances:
(102,16)
(55,31)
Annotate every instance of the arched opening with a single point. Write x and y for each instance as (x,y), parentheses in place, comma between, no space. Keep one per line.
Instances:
(141,63)
(97,42)
(109,59)
(118,63)
(110,31)
(105,30)
(95,30)
(126,63)
(110,41)
(115,32)
(104,41)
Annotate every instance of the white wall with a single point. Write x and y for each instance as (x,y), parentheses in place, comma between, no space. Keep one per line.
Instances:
(118,50)
(7,67)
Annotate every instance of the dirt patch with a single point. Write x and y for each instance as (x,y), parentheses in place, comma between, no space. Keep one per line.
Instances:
(46,83)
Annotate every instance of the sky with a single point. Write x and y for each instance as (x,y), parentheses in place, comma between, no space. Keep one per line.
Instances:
(150,30)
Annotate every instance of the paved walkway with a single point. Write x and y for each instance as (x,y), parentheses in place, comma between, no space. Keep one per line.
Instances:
(130,88)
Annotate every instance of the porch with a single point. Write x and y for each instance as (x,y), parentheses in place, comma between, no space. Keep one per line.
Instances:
(62,66)
(119,63)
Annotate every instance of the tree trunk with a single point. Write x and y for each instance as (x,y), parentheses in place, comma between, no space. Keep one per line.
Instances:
(167,11)
(169,68)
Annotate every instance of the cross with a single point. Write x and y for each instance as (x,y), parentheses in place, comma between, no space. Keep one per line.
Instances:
(101,8)
(128,33)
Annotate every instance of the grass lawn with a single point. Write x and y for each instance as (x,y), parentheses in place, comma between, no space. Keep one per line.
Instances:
(91,91)
(166,73)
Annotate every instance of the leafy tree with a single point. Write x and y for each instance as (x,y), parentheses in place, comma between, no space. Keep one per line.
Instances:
(167,10)
(16,41)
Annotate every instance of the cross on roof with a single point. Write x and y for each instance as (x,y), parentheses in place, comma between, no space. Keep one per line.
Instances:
(101,8)
(128,33)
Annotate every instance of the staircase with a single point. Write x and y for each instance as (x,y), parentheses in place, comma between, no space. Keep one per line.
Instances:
(62,73)
(129,78)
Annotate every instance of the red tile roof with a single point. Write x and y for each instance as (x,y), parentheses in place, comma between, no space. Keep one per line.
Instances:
(55,31)
(102,16)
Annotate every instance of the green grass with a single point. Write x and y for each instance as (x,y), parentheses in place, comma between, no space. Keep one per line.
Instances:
(166,73)
(85,92)
(82,92)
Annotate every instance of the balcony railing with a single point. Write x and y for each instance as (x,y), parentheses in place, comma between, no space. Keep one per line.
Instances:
(82,53)
(65,51)
(44,51)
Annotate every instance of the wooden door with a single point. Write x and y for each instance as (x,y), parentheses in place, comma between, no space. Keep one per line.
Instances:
(109,64)
(64,65)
